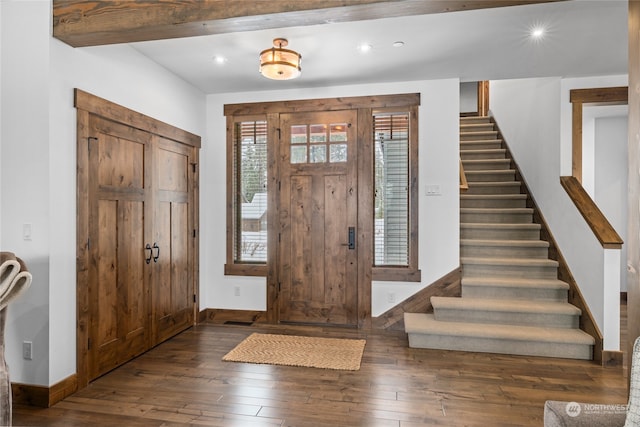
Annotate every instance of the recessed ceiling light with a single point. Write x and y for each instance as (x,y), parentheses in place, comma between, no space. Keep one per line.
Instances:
(537,32)
(365,47)
(399,43)
(218,59)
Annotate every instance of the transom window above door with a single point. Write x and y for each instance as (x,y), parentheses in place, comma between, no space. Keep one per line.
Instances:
(318,143)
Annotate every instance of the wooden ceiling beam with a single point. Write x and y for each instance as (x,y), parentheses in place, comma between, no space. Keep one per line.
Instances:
(100,22)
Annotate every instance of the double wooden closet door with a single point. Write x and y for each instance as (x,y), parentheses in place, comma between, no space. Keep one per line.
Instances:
(141,246)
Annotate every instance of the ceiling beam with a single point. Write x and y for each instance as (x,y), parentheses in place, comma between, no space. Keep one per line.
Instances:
(100,22)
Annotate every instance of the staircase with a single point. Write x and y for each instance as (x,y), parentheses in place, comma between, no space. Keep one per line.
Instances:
(512,301)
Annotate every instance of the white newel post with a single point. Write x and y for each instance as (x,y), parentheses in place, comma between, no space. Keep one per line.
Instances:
(611,300)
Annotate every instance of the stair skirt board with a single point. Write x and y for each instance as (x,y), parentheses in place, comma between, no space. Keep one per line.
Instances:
(426,332)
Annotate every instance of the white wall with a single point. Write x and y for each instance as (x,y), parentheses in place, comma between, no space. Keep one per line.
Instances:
(530,113)
(439,215)
(25,176)
(468,97)
(39,152)
(611,167)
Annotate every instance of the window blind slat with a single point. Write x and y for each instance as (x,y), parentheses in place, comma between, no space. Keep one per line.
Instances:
(391,242)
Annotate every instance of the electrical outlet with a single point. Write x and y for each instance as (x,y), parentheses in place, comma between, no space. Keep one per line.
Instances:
(391,297)
(236,291)
(27,350)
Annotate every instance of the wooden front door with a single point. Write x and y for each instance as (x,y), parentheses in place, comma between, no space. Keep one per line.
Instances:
(318,218)
(141,242)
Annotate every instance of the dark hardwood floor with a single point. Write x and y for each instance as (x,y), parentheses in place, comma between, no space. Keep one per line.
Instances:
(184,382)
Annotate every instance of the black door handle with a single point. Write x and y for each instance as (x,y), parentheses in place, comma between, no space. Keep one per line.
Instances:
(352,237)
(157,248)
(148,248)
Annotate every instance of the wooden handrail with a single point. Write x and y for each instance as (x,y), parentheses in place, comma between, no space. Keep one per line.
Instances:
(605,233)
(464,185)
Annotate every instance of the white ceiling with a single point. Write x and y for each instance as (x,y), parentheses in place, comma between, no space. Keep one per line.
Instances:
(583,38)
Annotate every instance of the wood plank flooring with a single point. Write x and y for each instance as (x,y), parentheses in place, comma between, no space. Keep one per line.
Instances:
(183,382)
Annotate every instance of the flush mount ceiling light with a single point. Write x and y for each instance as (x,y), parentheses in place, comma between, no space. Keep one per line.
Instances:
(280,64)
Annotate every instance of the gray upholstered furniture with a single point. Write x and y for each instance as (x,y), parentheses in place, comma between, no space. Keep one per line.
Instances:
(574,414)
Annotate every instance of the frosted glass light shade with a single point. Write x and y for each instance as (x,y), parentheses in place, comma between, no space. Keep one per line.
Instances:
(280,64)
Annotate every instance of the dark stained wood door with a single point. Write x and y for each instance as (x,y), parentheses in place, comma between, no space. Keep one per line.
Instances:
(118,276)
(173,283)
(318,207)
(141,242)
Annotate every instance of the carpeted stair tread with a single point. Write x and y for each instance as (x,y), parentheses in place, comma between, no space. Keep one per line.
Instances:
(480,144)
(497,210)
(509,261)
(493,196)
(475,119)
(486,134)
(497,230)
(486,164)
(515,282)
(498,152)
(487,242)
(489,175)
(425,323)
(505,305)
(466,144)
(487,186)
(476,127)
(493,225)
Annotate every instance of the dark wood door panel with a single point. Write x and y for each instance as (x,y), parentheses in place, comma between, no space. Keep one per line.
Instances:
(318,205)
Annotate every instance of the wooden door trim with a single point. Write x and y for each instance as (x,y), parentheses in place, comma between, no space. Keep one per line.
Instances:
(117,113)
(592,96)
(364,105)
(322,104)
(87,104)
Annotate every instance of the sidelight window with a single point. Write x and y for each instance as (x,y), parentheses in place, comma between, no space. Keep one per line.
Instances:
(391,211)
(250,191)
(395,195)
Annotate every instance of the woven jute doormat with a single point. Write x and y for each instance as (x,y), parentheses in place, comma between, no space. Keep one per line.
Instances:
(291,350)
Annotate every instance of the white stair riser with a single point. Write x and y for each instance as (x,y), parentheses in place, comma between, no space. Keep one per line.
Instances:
(543,320)
(500,234)
(496,218)
(488,202)
(488,345)
(503,292)
(517,271)
(511,251)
